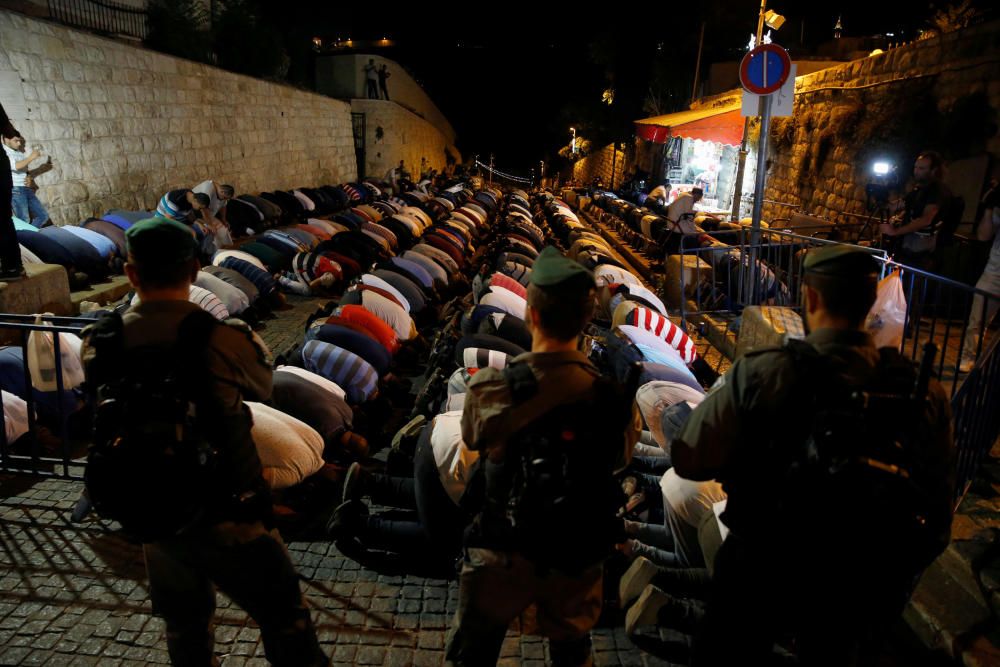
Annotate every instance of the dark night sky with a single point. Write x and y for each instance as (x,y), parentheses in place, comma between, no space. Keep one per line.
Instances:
(513,78)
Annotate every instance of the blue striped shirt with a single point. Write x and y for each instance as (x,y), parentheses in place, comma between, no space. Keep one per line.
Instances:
(352,373)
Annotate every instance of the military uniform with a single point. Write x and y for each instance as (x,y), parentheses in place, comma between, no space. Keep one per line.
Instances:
(497,585)
(233,549)
(831,593)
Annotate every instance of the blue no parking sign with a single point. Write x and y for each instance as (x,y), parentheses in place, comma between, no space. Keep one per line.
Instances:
(765,69)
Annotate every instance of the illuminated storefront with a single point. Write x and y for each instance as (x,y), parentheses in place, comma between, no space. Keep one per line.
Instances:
(695,148)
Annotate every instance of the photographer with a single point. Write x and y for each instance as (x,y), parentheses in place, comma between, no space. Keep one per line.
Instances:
(918,215)
(24,202)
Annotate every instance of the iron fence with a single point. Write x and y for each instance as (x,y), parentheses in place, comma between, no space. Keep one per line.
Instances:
(56,456)
(104,16)
(938,310)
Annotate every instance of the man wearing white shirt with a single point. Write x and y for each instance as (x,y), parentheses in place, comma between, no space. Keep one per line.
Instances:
(680,213)
(660,193)
(24,202)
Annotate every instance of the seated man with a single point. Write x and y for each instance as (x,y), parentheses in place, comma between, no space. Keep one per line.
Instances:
(214,214)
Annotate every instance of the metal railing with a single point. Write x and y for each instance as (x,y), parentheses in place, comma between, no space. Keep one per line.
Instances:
(726,279)
(104,16)
(26,456)
(975,416)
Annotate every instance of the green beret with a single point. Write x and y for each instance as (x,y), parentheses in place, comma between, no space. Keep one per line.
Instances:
(840,259)
(161,241)
(553,268)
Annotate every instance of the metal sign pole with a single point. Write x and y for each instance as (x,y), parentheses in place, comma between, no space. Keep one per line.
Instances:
(758,195)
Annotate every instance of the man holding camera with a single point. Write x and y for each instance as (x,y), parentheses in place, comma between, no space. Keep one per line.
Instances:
(919,213)
(25,203)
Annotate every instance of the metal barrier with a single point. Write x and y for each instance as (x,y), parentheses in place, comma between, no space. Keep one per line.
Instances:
(25,456)
(727,278)
(938,310)
(104,16)
(768,272)
(975,417)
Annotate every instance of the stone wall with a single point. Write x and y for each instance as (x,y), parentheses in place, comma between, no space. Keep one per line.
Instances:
(343,77)
(889,106)
(600,164)
(393,133)
(124,124)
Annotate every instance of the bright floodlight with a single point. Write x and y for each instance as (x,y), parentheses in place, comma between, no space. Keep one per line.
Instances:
(881,168)
(773,20)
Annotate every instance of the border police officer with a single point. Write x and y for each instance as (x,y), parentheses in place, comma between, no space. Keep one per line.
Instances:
(811,556)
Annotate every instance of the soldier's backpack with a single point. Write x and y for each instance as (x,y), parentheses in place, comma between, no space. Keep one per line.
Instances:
(860,476)
(554,498)
(150,466)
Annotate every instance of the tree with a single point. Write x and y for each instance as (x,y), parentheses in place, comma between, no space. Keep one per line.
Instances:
(244,43)
(179,27)
(955,15)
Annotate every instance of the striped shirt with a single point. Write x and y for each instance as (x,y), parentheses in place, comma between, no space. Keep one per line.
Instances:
(508,283)
(311,265)
(347,369)
(262,280)
(382,231)
(653,348)
(208,302)
(203,299)
(660,326)
(518,272)
(174,205)
(481,357)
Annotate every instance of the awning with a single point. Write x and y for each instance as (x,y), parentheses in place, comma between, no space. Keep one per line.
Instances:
(722,124)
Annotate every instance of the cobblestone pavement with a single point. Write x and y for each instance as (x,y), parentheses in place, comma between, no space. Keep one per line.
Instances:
(76,595)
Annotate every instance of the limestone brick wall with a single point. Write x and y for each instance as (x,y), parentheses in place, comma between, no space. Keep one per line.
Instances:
(124,124)
(846,116)
(600,164)
(393,133)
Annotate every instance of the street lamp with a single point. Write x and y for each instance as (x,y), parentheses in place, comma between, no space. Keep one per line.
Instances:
(773,19)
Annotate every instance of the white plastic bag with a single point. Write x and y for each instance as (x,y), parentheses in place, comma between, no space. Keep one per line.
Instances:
(42,359)
(887,317)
